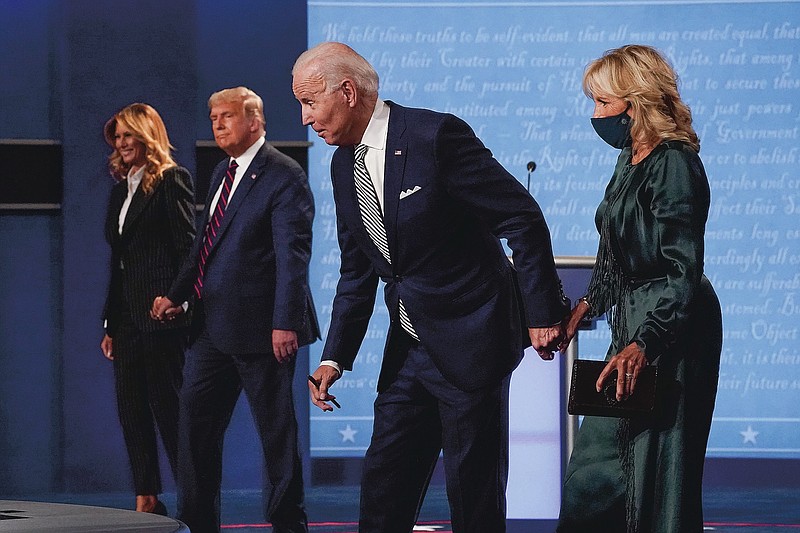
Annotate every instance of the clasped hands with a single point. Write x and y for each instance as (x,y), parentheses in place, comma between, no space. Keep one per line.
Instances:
(164,309)
(557,337)
(628,362)
(284,342)
(547,340)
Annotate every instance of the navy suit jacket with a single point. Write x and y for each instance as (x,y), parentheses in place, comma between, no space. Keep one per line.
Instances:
(256,273)
(447,203)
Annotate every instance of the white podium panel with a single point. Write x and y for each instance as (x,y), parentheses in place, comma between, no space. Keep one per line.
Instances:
(534,477)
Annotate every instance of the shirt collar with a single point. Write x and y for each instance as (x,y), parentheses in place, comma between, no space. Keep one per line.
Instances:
(247,157)
(134,179)
(378,128)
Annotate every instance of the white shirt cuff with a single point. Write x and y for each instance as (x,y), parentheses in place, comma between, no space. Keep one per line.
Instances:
(334,364)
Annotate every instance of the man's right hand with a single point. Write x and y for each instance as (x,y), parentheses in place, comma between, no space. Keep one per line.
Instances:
(325,376)
(163,308)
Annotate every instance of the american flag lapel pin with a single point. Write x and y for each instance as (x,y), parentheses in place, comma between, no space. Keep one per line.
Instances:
(398,152)
(253,176)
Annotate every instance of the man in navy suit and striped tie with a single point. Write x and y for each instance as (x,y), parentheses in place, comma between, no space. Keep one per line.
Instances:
(422,205)
(247,278)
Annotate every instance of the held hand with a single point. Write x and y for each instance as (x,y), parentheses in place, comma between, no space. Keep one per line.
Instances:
(163,308)
(284,344)
(107,346)
(173,312)
(571,324)
(324,377)
(546,340)
(628,363)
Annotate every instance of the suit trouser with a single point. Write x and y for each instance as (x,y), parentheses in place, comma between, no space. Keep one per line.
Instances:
(147,374)
(419,415)
(213,381)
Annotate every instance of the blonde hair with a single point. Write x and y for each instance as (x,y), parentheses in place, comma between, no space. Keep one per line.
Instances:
(336,61)
(252,103)
(147,127)
(641,76)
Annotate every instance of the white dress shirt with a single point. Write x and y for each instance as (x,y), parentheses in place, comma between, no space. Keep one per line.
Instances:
(134,179)
(375,139)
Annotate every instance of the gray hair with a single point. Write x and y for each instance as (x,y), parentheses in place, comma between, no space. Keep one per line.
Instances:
(335,61)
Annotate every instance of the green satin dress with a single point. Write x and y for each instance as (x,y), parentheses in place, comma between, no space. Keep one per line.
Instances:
(646,475)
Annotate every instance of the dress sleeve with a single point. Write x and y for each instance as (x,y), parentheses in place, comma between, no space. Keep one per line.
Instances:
(679,205)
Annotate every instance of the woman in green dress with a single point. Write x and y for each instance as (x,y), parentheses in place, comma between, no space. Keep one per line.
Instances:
(645,475)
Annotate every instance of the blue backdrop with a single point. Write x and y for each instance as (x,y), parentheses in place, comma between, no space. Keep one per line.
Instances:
(513,71)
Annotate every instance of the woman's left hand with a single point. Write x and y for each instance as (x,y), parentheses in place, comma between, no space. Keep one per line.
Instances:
(628,363)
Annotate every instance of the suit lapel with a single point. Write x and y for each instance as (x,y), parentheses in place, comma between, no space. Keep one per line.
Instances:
(138,203)
(393,172)
(251,175)
(349,183)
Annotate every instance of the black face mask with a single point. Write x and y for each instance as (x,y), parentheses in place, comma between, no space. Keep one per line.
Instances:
(614,130)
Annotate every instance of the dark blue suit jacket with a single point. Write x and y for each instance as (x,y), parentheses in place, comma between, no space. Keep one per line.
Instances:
(256,274)
(447,203)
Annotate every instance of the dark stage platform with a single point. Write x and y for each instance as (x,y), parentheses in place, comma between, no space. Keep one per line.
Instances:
(334,509)
(43,517)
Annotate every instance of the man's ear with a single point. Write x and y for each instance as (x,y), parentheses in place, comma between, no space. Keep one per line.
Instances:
(349,92)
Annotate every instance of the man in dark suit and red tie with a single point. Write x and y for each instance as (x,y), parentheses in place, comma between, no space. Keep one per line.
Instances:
(247,277)
(422,205)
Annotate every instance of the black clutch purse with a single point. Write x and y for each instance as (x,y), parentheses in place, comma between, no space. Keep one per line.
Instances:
(585,400)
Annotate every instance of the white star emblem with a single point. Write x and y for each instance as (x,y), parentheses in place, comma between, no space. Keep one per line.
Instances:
(348,434)
(748,435)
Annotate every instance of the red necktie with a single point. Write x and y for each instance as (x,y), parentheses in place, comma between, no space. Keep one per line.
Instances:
(213,225)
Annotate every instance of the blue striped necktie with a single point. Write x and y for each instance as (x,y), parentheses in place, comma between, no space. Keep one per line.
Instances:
(373,221)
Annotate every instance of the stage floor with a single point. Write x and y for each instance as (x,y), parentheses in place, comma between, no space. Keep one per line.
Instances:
(334,509)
